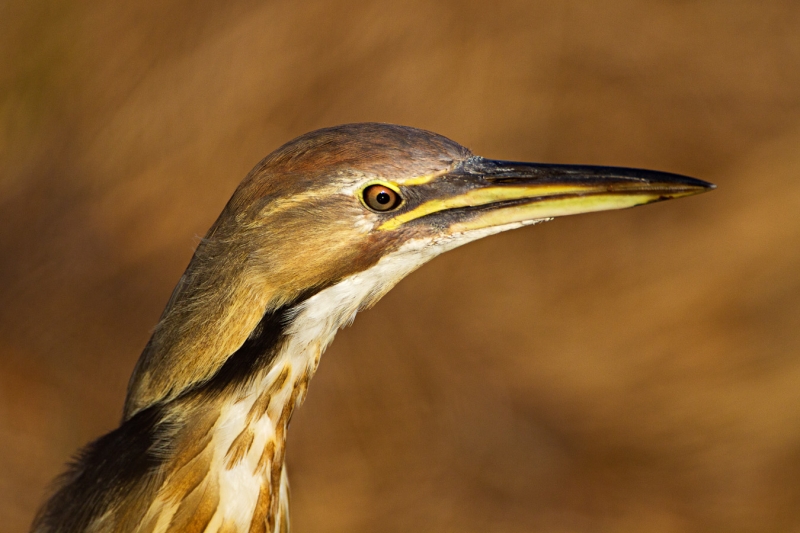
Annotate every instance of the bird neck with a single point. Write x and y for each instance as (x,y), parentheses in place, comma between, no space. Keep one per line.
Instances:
(234,432)
(227,462)
(244,485)
(211,458)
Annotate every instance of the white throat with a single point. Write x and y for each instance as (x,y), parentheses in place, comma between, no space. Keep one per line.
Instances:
(250,434)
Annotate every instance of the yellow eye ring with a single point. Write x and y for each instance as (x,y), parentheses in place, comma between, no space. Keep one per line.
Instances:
(381,197)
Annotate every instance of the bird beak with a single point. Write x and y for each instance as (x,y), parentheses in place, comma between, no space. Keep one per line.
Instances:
(483,193)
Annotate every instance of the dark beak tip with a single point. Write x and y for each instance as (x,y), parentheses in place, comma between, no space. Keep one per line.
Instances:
(704,186)
(689,184)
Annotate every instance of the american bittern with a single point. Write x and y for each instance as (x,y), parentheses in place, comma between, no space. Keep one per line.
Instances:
(319,230)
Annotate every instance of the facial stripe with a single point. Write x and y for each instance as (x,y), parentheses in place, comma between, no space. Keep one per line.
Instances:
(260,348)
(487,195)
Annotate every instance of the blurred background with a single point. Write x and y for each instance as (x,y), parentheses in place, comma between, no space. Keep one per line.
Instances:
(635,370)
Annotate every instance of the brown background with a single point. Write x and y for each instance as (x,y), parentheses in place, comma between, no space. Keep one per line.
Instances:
(627,371)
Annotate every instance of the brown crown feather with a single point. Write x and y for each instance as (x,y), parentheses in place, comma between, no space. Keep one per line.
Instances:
(287,229)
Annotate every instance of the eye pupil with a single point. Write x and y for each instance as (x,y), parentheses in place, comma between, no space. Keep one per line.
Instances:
(381,198)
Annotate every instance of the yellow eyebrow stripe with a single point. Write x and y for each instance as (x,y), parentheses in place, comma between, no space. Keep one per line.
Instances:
(484,196)
(425,178)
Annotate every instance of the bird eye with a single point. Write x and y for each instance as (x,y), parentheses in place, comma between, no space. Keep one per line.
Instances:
(381,198)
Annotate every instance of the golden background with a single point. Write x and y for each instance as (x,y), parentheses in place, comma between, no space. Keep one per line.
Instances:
(635,370)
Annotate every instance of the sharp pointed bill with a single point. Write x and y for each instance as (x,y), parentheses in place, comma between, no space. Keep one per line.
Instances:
(483,193)
(321,229)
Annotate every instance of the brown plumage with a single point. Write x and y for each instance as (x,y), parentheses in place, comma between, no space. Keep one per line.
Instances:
(320,229)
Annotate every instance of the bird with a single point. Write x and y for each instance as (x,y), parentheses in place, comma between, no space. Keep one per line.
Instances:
(319,230)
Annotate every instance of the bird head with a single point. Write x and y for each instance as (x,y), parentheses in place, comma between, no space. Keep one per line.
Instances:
(364,204)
